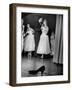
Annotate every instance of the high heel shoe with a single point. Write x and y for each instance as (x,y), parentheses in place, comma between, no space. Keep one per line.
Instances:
(34,72)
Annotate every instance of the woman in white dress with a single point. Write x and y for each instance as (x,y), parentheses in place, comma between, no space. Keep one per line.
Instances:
(22,35)
(44,47)
(29,44)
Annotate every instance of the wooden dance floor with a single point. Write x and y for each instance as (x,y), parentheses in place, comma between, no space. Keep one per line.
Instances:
(34,63)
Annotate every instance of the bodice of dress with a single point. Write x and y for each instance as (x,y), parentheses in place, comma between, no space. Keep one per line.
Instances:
(30,31)
(44,30)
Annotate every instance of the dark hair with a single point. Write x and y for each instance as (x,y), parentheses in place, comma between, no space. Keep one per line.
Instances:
(25,29)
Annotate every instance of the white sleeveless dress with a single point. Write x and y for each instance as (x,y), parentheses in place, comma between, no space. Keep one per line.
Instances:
(44,46)
(29,43)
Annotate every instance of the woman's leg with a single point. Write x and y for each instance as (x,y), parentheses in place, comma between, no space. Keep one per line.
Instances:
(29,54)
(42,56)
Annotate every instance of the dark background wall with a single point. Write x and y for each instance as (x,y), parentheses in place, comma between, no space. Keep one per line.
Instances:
(32,19)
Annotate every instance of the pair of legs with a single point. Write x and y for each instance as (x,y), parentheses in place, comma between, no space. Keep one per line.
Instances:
(29,53)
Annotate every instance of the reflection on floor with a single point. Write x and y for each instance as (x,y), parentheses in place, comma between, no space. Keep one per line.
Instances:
(35,63)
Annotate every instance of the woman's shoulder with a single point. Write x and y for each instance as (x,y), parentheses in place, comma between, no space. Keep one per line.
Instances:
(42,27)
(47,27)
